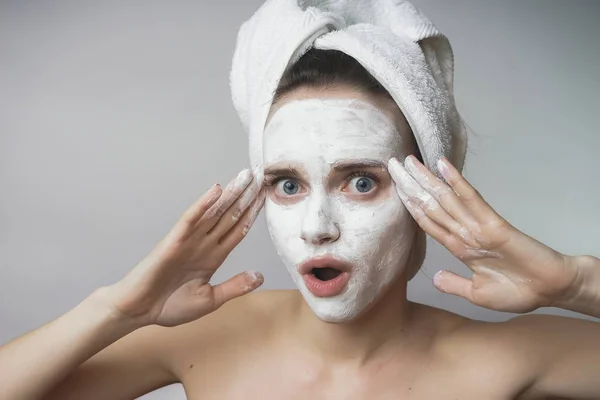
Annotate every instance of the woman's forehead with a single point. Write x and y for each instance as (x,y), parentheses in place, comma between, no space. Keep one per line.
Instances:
(341,91)
(331,129)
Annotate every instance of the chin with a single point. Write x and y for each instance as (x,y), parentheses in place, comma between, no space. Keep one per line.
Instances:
(345,307)
(355,301)
(334,313)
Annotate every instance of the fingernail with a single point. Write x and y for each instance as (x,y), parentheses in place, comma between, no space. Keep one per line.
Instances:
(256,277)
(403,178)
(216,193)
(257,170)
(243,179)
(396,169)
(443,168)
(409,164)
(437,279)
(245,174)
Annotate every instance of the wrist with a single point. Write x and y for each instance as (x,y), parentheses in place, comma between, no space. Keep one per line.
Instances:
(583,295)
(104,298)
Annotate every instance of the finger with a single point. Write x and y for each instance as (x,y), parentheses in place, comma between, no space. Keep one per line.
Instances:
(229,196)
(241,228)
(409,185)
(480,209)
(440,191)
(200,206)
(439,233)
(236,286)
(235,212)
(426,223)
(451,283)
(409,189)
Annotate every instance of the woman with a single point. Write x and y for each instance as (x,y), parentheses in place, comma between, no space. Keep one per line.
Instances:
(349,227)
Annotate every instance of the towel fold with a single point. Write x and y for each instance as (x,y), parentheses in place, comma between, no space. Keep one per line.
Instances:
(391,39)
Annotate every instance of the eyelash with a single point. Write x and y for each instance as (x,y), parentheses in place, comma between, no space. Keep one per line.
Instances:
(272,181)
(361,174)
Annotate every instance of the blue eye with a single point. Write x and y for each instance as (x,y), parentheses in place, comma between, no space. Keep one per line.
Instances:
(289,186)
(363,185)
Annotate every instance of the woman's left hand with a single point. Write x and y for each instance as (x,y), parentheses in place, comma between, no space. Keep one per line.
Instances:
(511,271)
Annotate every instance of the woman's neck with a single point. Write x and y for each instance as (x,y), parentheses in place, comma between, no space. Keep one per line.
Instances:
(385,325)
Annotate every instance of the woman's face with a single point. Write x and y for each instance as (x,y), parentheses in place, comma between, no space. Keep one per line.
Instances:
(331,208)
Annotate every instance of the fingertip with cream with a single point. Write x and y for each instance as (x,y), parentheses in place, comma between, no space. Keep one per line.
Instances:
(437,280)
(255,278)
(443,168)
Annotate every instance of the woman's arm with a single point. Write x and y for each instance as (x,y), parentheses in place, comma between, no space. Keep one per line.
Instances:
(169,287)
(33,364)
(584,295)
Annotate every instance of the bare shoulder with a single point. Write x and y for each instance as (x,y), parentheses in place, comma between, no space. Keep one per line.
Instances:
(473,342)
(527,336)
(238,327)
(489,357)
(514,354)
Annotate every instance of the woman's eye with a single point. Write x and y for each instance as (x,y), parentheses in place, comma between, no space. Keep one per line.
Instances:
(361,184)
(288,186)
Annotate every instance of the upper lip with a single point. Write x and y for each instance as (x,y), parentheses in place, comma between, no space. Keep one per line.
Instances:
(322,262)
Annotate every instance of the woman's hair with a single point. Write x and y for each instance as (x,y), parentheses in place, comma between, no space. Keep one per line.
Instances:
(323,69)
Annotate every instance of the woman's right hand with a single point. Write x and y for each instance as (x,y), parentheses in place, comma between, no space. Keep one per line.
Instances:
(171,285)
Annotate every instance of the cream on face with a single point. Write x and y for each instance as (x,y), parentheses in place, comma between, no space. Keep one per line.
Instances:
(330,195)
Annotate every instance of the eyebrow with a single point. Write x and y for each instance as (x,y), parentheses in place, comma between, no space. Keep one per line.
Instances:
(340,166)
(281,169)
(284,169)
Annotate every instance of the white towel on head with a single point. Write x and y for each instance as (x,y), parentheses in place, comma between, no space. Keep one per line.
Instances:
(391,39)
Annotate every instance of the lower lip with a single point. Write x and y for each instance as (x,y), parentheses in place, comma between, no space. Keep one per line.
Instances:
(329,288)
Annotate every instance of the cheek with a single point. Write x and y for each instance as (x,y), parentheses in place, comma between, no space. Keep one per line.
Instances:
(284,223)
(377,229)
(275,217)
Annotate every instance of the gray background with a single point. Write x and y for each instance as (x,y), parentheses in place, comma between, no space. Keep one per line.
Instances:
(115,116)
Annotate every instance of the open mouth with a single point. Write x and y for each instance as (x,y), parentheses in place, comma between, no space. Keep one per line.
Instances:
(325,274)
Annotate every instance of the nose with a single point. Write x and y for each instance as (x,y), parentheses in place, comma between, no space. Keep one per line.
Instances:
(318,226)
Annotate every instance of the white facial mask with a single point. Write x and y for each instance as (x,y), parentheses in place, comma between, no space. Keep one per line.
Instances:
(373,236)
